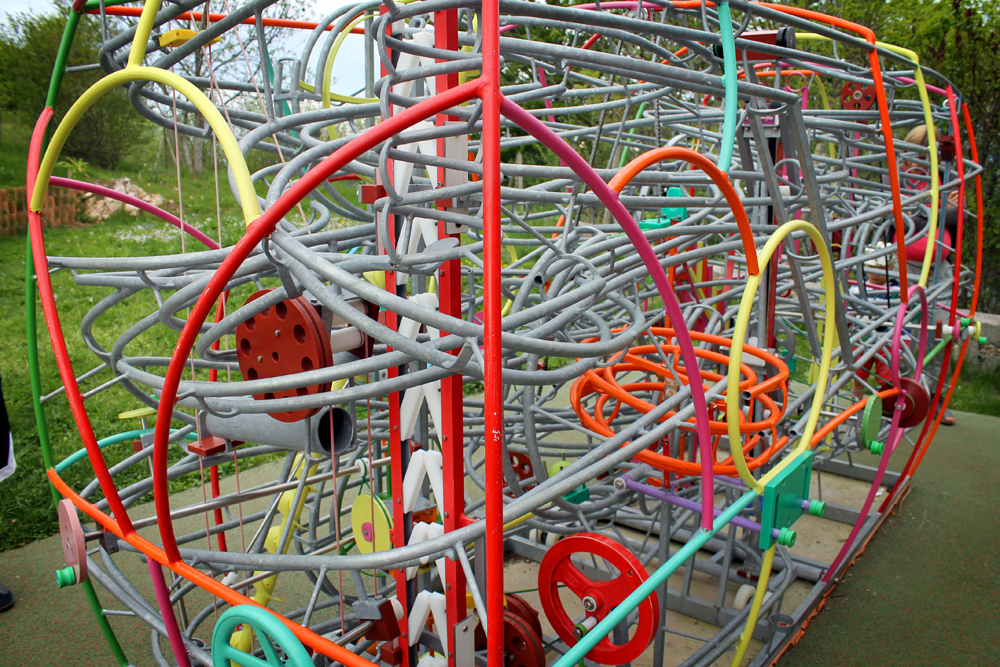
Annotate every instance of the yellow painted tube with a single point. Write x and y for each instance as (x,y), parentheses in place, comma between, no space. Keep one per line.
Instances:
(328,67)
(736,355)
(758,600)
(337,97)
(142,32)
(931,146)
(264,589)
(510,525)
(231,149)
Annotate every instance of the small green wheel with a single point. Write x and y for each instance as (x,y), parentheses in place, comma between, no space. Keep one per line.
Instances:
(871,421)
(269,630)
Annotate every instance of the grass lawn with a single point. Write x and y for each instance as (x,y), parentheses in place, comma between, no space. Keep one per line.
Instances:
(26,509)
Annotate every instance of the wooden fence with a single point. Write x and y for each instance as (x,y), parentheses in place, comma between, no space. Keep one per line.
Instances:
(61,206)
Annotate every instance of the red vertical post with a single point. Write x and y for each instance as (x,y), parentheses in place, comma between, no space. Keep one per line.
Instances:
(491,306)
(400,457)
(450,303)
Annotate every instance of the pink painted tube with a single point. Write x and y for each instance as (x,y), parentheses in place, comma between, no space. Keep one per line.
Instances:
(610,199)
(620,4)
(930,88)
(134,201)
(895,432)
(167,611)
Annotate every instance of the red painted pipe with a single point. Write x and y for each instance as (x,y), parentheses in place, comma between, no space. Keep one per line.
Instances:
(491,331)
(215,18)
(56,335)
(256,232)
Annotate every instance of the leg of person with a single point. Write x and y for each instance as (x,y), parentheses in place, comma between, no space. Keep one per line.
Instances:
(6,599)
(7,467)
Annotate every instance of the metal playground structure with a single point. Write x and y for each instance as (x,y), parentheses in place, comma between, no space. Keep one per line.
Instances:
(670,239)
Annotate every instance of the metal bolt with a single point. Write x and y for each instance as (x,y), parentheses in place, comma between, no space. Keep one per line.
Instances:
(589,603)
(277,333)
(260,359)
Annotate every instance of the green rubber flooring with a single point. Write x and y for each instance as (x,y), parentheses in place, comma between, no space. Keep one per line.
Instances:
(926,590)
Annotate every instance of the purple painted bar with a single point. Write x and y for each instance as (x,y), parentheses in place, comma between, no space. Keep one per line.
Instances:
(673,499)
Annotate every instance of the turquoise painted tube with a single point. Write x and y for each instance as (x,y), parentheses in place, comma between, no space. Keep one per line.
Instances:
(604,628)
(107,442)
(730,78)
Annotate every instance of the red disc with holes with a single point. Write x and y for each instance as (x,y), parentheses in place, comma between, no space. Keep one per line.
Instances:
(518,606)
(522,646)
(598,596)
(287,338)
(523,469)
(855,96)
(917,403)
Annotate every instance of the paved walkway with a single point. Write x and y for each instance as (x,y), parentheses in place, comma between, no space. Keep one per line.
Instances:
(926,590)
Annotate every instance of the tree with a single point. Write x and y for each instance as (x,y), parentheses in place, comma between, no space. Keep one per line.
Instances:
(961,40)
(236,58)
(28,47)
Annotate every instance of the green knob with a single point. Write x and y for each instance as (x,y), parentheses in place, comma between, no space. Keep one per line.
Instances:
(966,321)
(876,447)
(65,577)
(817,507)
(786,537)
(983,340)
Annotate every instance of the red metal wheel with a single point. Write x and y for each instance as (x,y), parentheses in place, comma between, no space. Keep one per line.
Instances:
(518,606)
(522,646)
(289,337)
(599,597)
(918,403)
(523,469)
(855,96)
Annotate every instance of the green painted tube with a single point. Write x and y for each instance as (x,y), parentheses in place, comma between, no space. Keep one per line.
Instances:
(937,349)
(730,79)
(604,628)
(638,115)
(30,314)
(59,69)
(31,325)
(30,317)
(102,620)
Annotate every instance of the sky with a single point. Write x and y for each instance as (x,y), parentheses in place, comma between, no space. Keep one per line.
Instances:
(348,70)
